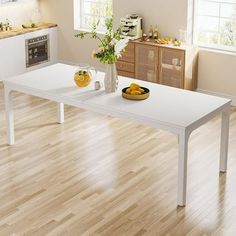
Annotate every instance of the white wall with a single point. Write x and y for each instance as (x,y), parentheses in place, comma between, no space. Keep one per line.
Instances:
(153,11)
(20,12)
(70,48)
(168,15)
(217,71)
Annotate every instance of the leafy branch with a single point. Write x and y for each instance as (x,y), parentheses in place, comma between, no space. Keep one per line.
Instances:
(107,50)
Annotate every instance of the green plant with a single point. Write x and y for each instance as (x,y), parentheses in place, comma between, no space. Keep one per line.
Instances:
(110,45)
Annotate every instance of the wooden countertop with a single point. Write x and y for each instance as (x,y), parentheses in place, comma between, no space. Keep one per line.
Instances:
(20,30)
(153,43)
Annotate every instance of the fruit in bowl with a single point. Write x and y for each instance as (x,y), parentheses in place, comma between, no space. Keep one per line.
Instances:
(176,42)
(166,40)
(135,89)
(135,92)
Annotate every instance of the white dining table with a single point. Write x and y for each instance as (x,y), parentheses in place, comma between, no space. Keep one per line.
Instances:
(176,110)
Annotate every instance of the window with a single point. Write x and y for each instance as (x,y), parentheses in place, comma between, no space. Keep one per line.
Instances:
(6,1)
(88,12)
(215,24)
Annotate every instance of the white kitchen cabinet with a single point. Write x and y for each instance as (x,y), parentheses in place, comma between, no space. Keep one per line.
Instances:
(12,56)
(52,32)
(13,52)
(53,45)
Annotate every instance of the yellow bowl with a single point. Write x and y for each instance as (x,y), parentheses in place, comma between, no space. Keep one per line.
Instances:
(136,97)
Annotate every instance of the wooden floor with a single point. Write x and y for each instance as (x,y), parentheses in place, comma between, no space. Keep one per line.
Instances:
(96,175)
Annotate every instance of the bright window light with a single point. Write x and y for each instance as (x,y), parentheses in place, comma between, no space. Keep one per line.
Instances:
(88,12)
(215,24)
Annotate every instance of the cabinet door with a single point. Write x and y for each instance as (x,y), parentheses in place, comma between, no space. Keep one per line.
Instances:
(146,62)
(128,55)
(172,67)
(12,57)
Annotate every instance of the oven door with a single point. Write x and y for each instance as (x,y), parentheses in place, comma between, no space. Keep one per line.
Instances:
(37,50)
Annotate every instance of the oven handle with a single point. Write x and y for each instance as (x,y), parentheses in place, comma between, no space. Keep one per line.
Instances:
(41,41)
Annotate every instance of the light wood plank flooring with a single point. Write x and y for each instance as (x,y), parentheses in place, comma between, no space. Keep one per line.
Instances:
(97,175)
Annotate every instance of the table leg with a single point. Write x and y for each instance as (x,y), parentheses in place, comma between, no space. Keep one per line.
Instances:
(224,140)
(9,116)
(182,168)
(60,113)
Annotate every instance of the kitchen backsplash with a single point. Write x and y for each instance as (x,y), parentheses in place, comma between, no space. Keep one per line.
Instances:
(20,12)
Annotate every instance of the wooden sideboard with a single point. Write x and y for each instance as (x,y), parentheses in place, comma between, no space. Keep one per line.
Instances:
(126,64)
(164,64)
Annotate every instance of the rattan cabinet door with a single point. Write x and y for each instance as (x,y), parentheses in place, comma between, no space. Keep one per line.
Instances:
(146,63)
(172,67)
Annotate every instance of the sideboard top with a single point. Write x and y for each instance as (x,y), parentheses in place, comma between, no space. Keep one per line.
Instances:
(153,43)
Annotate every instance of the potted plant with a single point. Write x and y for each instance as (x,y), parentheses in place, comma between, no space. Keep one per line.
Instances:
(110,49)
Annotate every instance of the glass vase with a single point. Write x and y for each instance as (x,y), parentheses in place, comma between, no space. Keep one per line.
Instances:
(111,78)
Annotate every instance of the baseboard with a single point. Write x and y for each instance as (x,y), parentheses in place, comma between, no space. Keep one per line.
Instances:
(233,98)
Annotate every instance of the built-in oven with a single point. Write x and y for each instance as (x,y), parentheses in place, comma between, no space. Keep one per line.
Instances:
(37,50)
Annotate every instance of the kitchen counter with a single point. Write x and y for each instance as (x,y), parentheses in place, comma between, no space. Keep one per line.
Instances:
(20,30)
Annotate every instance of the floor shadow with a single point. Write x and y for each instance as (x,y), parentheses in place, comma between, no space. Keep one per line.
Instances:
(86,95)
(78,93)
(64,89)
(38,126)
(4,145)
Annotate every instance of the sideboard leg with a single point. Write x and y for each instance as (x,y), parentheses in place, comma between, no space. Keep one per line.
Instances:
(182,168)
(9,116)
(224,140)
(60,113)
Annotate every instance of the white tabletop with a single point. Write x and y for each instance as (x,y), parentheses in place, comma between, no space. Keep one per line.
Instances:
(166,105)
